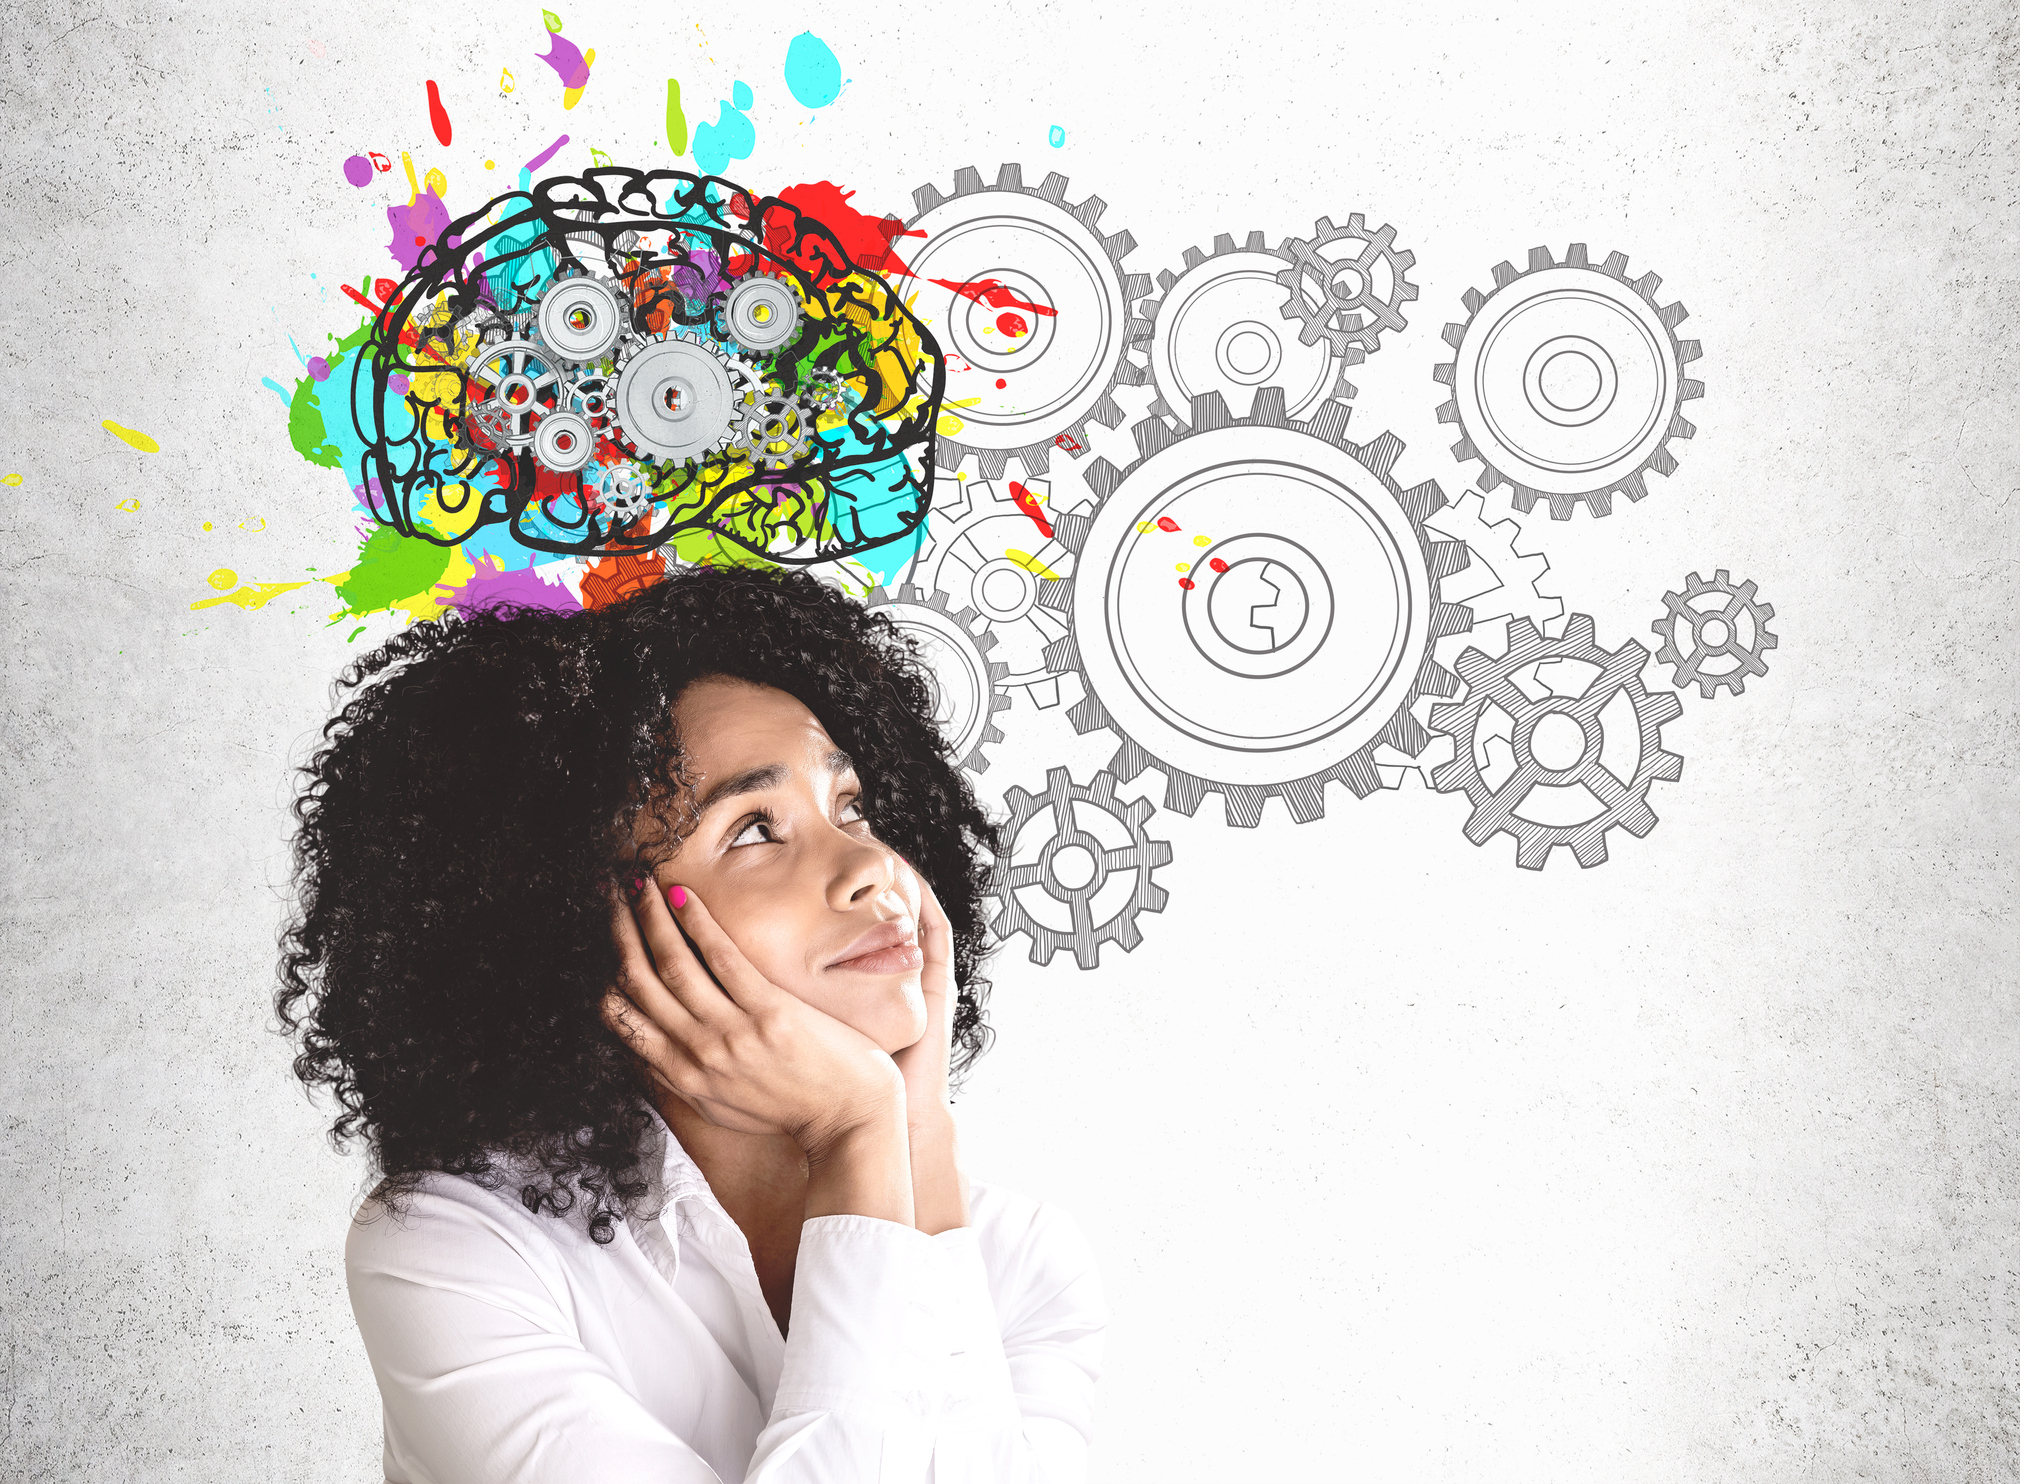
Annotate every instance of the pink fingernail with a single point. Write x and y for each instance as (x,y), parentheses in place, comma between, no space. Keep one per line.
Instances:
(637,885)
(677,896)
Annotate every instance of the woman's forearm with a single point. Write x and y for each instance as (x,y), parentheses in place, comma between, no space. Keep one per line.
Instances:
(866,1170)
(939,1189)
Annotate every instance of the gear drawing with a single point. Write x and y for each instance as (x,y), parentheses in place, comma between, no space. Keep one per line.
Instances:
(677,398)
(626,492)
(520,384)
(1253,607)
(1736,631)
(1219,328)
(761,313)
(967,683)
(1515,750)
(581,318)
(825,388)
(1097,859)
(1346,285)
(779,432)
(988,551)
(1567,382)
(1034,310)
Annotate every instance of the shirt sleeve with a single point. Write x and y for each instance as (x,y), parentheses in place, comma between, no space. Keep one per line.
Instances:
(901,1366)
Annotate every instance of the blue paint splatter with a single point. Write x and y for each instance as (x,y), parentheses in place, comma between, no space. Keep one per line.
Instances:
(731,137)
(741,95)
(1057,137)
(813,76)
(278,390)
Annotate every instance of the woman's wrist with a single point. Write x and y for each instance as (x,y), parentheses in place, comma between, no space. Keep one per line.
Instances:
(939,1188)
(863,1169)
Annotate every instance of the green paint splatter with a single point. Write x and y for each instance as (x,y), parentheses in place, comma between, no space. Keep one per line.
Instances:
(553,21)
(306,430)
(676,121)
(390,568)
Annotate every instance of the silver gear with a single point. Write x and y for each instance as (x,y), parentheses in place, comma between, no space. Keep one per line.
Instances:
(1742,600)
(972,531)
(564,442)
(626,492)
(1492,685)
(522,383)
(1346,298)
(581,318)
(589,393)
(967,683)
(1199,718)
(677,398)
(761,313)
(1007,232)
(778,432)
(825,387)
(1218,328)
(1618,401)
(1142,855)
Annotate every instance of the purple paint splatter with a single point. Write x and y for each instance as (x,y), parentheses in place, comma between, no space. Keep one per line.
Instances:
(358,171)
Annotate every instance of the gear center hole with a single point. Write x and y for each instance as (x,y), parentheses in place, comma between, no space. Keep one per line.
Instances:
(1714,632)
(1558,743)
(1073,866)
(1570,381)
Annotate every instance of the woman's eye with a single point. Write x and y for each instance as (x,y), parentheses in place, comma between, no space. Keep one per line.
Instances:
(756,832)
(852,812)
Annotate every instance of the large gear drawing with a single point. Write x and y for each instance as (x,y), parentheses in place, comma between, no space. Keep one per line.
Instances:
(1096,838)
(1219,327)
(678,398)
(1034,309)
(1567,382)
(1736,631)
(1561,776)
(967,683)
(1301,637)
(987,551)
(1346,285)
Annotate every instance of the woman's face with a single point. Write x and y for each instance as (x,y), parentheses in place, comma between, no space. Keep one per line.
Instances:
(783,859)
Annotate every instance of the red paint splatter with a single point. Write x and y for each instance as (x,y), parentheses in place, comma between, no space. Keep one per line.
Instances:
(1068,442)
(380,163)
(1010,323)
(437,114)
(360,298)
(1028,503)
(384,289)
(1186,583)
(1218,565)
(1166,523)
(866,239)
(1001,383)
(996,295)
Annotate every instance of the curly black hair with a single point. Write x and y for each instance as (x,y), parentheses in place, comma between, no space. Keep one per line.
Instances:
(469,805)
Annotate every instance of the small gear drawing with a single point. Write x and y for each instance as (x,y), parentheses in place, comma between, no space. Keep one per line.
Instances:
(1548,752)
(825,388)
(1346,284)
(626,492)
(1302,635)
(1735,631)
(1096,838)
(520,382)
(967,683)
(589,392)
(1567,382)
(1219,328)
(778,432)
(1033,307)
(989,551)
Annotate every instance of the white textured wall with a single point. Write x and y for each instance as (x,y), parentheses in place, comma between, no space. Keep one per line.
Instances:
(1402,1164)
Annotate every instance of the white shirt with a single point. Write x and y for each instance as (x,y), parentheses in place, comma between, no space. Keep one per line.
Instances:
(509,1346)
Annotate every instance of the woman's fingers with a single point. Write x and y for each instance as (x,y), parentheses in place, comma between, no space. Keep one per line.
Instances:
(685,974)
(639,972)
(739,980)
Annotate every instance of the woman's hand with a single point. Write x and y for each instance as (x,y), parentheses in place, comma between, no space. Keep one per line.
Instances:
(742,1052)
(939,1188)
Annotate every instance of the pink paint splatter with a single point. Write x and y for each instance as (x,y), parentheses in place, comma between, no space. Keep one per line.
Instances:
(565,57)
(415,226)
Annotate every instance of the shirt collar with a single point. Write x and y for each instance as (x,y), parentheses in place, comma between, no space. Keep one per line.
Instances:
(671,1169)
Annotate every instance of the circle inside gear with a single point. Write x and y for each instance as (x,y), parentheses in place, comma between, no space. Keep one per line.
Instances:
(1220,329)
(674,400)
(564,442)
(1312,645)
(1566,377)
(1019,263)
(762,313)
(957,671)
(580,318)
(519,384)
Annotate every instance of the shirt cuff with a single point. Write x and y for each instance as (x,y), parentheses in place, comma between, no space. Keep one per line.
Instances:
(893,1325)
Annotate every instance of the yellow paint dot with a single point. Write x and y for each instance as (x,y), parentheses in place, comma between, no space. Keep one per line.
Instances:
(130,506)
(206,525)
(10,478)
(490,164)
(130,436)
(437,182)
(223,578)
(1185,566)
(1202,541)
(1143,528)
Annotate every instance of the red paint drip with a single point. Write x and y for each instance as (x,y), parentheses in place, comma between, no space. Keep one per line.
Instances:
(1186,583)
(1166,523)
(1001,383)
(1028,503)
(437,114)
(996,295)
(1218,565)
(1068,442)
(1011,323)
(360,298)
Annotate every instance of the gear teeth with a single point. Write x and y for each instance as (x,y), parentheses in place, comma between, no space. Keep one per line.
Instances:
(1210,410)
(1382,453)
(1647,284)
(1329,423)
(1539,259)
(1504,274)
(925,198)
(1183,793)
(1010,177)
(1269,409)
(1054,188)
(1153,437)
(1088,212)
(1615,266)
(1086,714)
(1192,257)
(1118,245)
(967,181)
(1574,256)
(1129,760)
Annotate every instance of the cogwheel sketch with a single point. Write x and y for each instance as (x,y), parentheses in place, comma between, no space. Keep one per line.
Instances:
(1033,309)
(967,683)
(1091,868)
(1556,742)
(1346,284)
(1253,607)
(989,545)
(1219,327)
(1727,637)
(1567,382)
(1500,582)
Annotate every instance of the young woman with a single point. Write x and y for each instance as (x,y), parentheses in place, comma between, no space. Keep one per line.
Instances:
(640,945)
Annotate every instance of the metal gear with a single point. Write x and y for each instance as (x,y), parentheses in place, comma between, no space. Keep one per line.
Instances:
(581,318)
(564,442)
(1346,295)
(1567,382)
(1101,847)
(521,383)
(589,393)
(988,551)
(678,398)
(825,388)
(1715,635)
(761,313)
(1612,708)
(1304,636)
(1034,309)
(1219,328)
(967,683)
(626,492)
(778,432)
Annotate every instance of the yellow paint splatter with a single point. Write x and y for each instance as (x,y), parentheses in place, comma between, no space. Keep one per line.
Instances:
(1145,527)
(206,525)
(129,435)
(949,424)
(490,164)
(249,524)
(1202,541)
(223,579)
(1030,563)
(10,478)
(1185,566)
(413,184)
(130,506)
(506,83)
(252,595)
(572,96)
(437,182)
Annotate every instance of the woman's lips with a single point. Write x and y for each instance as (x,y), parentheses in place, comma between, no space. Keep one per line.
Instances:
(887,948)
